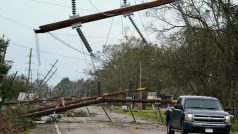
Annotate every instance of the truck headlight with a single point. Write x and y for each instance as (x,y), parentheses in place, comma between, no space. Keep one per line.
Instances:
(227,118)
(188,117)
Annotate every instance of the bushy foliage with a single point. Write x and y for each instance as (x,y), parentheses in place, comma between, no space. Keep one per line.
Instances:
(13,119)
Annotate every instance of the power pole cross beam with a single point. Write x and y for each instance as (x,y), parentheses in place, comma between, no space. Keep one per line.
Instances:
(102,15)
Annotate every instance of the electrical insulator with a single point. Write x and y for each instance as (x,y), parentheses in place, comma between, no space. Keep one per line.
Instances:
(74,7)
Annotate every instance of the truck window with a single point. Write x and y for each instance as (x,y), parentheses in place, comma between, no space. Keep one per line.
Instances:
(203,104)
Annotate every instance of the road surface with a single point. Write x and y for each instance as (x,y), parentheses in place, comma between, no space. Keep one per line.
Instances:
(99,124)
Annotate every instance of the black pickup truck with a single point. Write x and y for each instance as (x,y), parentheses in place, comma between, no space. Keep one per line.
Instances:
(197,114)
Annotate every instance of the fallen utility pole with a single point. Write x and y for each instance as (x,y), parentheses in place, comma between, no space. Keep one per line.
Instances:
(47,80)
(139,101)
(42,82)
(102,15)
(87,103)
(85,99)
(30,101)
(65,108)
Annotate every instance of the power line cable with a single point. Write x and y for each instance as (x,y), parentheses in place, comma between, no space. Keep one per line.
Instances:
(133,22)
(122,27)
(95,7)
(16,22)
(60,5)
(66,44)
(88,36)
(46,52)
(84,54)
(109,32)
(143,24)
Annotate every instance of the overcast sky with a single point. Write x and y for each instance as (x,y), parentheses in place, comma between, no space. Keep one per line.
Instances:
(18,18)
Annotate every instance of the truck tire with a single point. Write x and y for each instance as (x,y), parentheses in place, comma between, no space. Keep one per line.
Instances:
(169,129)
(182,129)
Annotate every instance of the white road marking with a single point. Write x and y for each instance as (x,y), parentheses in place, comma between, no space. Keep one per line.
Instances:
(57,129)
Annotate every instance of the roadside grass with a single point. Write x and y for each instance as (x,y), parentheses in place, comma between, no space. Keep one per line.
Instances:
(145,114)
(235,126)
(149,114)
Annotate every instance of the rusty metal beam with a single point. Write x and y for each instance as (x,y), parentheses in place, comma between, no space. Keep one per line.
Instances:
(99,16)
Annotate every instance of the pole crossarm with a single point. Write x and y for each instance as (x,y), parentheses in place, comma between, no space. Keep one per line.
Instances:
(99,16)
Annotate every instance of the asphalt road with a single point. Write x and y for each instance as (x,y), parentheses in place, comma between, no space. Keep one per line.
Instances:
(99,124)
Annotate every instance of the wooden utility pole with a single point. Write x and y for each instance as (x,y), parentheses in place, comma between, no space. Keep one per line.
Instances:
(90,102)
(48,79)
(141,105)
(29,68)
(46,76)
(102,15)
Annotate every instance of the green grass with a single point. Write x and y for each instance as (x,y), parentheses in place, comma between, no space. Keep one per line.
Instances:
(145,114)
(149,114)
(235,126)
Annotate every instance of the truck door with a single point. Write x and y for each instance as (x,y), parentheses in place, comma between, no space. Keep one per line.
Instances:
(177,115)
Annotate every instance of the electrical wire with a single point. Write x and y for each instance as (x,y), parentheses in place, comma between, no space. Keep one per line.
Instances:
(59,5)
(66,44)
(88,36)
(16,22)
(84,54)
(47,52)
(94,6)
(143,24)
(122,29)
(109,32)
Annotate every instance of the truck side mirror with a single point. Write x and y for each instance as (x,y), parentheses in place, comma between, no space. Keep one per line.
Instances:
(178,106)
(227,109)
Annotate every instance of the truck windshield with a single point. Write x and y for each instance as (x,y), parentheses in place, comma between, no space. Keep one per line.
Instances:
(203,104)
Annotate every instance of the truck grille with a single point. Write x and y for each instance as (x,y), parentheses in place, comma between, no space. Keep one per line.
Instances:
(212,119)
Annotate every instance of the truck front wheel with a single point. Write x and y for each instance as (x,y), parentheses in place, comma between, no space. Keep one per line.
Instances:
(182,129)
(169,129)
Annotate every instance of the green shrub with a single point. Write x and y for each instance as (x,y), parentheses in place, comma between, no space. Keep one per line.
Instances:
(13,120)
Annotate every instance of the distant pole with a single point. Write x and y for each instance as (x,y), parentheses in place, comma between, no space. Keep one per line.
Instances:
(140,74)
(11,82)
(42,82)
(29,69)
(99,88)
(48,79)
(140,86)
